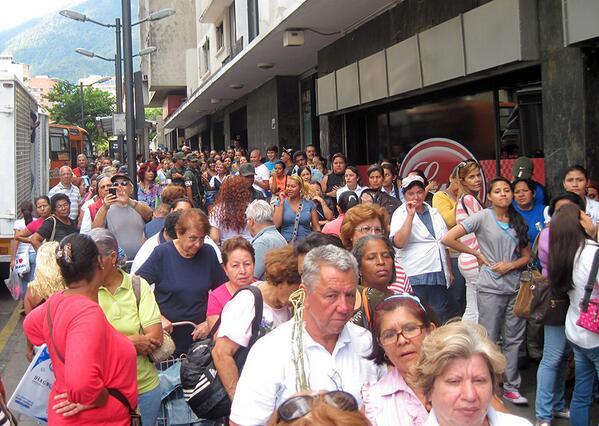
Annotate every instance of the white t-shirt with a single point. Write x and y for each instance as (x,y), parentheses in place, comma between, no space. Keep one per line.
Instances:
(23,247)
(580,275)
(262,174)
(344,188)
(238,314)
(226,234)
(150,244)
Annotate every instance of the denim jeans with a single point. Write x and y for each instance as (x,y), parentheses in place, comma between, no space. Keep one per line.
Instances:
(149,406)
(551,379)
(586,369)
(457,292)
(434,296)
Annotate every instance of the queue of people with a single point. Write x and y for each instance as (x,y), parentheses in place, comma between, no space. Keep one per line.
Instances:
(391,315)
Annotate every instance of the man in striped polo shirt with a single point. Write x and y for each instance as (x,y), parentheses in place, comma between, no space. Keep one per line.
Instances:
(65,186)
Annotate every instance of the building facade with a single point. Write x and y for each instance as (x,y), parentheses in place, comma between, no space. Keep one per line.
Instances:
(494,78)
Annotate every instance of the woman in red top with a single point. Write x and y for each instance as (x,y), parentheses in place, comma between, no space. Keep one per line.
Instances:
(42,206)
(90,358)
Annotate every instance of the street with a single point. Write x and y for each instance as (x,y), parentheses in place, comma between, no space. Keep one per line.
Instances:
(13,363)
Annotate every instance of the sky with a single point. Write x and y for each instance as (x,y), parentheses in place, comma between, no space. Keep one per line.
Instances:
(17,12)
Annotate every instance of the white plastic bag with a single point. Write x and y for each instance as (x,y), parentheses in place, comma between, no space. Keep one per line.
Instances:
(22,265)
(33,391)
(13,283)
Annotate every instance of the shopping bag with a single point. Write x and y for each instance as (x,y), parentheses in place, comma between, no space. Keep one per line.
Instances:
(22,265)
(30,398)
(13,282)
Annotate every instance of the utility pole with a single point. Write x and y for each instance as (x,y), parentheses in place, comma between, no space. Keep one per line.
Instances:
(118,73)
(81,98)
(129,104)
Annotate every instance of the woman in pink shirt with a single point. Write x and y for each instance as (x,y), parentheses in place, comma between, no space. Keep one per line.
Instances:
(400,325)
(469,186)
(92,361)
(238,262)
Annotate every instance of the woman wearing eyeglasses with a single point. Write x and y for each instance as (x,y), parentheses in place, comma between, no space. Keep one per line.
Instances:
(470,182)
(58,225)
(400,325)
(362,220)
(417,230)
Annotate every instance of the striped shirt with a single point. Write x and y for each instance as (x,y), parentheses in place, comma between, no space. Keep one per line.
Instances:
(402,282)
(466,261)
(73,194)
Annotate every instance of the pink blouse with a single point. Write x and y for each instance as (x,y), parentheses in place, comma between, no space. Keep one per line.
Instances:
(390,401)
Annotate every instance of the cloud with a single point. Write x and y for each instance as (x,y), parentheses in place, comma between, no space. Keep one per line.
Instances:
(18,12)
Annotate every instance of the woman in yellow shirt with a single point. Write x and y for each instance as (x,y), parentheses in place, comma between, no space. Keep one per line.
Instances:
(141,324)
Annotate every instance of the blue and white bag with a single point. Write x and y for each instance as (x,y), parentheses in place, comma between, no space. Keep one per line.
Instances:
(30,398)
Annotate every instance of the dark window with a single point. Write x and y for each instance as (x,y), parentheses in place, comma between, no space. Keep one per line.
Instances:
(253,20)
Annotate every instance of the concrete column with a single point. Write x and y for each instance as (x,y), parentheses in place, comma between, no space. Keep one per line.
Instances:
(570,102)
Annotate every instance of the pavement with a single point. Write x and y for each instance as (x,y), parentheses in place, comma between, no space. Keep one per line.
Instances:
(13,364)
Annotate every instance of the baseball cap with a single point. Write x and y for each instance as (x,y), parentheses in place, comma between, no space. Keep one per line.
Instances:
(522,168)
(247,170)
(120,176)
(179,156)
(192,157)
(409,181)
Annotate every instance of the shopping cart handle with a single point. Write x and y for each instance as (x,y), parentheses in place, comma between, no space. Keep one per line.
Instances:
(174,324)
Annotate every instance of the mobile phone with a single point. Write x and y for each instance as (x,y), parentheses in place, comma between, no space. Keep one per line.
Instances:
(112,191)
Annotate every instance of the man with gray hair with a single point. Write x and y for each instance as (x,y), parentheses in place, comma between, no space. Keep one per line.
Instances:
(321,352)
(66,187)
(260,224)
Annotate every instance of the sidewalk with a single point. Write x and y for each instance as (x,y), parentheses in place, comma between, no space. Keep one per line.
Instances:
(13,364)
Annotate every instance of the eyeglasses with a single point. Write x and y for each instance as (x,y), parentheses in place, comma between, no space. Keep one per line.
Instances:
(370,229)
(120,183)
(299,406)
(390,337)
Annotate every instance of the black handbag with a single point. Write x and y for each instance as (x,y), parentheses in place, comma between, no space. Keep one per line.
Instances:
(202,388)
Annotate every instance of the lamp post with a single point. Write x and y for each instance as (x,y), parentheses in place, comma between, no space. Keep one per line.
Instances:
(128,63)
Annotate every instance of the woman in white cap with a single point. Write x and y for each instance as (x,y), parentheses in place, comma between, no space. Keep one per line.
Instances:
(416,231)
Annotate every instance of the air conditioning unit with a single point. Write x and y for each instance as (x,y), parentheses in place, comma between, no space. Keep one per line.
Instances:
(144,77)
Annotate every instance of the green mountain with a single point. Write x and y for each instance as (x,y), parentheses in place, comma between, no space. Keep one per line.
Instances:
(48,44)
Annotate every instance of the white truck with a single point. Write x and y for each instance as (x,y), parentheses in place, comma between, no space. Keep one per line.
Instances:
(24,147)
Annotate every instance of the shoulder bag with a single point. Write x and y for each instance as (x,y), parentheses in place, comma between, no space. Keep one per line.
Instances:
(167,348)
(589,308)
(135,417)
(529,280)
(202,388)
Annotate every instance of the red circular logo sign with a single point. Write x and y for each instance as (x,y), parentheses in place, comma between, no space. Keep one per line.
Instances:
(437,157)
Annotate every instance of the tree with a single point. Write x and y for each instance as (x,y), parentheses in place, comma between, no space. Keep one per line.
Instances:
(66,108)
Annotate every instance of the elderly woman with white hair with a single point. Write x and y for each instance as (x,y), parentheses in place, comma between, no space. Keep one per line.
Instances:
(265,237)
(129,305)
(458,371)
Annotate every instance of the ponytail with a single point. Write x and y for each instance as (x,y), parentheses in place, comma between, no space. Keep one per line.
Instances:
(518,224)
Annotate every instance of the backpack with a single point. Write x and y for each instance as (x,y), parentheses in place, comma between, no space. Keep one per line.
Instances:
(201,385)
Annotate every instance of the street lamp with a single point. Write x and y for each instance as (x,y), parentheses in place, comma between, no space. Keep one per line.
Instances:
(128,63)
(81,85)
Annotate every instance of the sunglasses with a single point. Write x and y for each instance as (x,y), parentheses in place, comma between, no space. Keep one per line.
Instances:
(120,183)
(465,163)
(299,406)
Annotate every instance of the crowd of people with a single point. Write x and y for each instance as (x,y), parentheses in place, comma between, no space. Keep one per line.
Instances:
(387,300)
